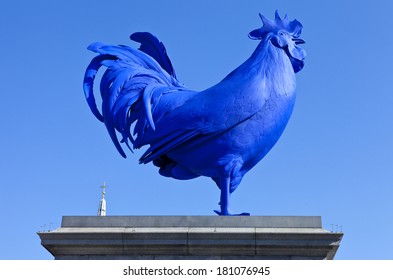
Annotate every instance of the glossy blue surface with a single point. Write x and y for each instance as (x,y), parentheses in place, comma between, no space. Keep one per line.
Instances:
(221,132)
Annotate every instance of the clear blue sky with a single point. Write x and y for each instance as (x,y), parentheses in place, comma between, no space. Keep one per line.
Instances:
(334,160)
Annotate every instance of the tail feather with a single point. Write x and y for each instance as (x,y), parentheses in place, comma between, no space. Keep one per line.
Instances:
(153,47)
(88,81)
(130,88)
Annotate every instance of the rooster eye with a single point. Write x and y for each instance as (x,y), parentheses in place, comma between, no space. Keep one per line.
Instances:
(281,33)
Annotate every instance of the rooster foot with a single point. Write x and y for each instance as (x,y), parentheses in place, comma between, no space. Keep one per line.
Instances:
(226,213)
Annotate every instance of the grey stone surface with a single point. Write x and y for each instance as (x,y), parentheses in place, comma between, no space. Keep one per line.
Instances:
(191,237)
(193,221)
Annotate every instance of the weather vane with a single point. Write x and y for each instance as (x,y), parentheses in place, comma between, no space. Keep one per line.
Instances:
(103,187)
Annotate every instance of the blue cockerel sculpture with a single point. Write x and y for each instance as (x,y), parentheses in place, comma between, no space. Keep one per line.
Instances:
(221,132)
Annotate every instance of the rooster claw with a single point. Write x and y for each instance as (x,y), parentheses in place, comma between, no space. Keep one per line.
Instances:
(219,213)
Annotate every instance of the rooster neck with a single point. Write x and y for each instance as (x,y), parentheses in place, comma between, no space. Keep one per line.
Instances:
(268,65)
(271,62)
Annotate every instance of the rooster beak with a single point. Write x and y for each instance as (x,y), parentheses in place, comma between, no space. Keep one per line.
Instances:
(298,41)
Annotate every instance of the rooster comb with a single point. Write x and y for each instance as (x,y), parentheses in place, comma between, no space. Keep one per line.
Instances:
(294,27)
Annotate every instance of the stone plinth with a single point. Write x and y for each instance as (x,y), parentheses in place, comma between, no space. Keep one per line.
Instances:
(191,237)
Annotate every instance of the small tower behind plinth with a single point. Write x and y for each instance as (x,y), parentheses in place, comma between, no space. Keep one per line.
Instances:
(102,204)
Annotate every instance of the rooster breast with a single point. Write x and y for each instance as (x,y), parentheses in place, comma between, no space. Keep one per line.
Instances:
(247,142)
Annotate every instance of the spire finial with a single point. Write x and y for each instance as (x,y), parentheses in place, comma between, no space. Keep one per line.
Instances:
(103,187)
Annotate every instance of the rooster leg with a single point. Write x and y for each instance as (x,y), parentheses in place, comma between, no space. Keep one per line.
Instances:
(224,199)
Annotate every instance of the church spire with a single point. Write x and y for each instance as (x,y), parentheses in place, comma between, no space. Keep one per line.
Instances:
(102,204)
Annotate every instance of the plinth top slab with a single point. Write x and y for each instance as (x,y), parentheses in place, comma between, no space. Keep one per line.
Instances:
(194,221)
